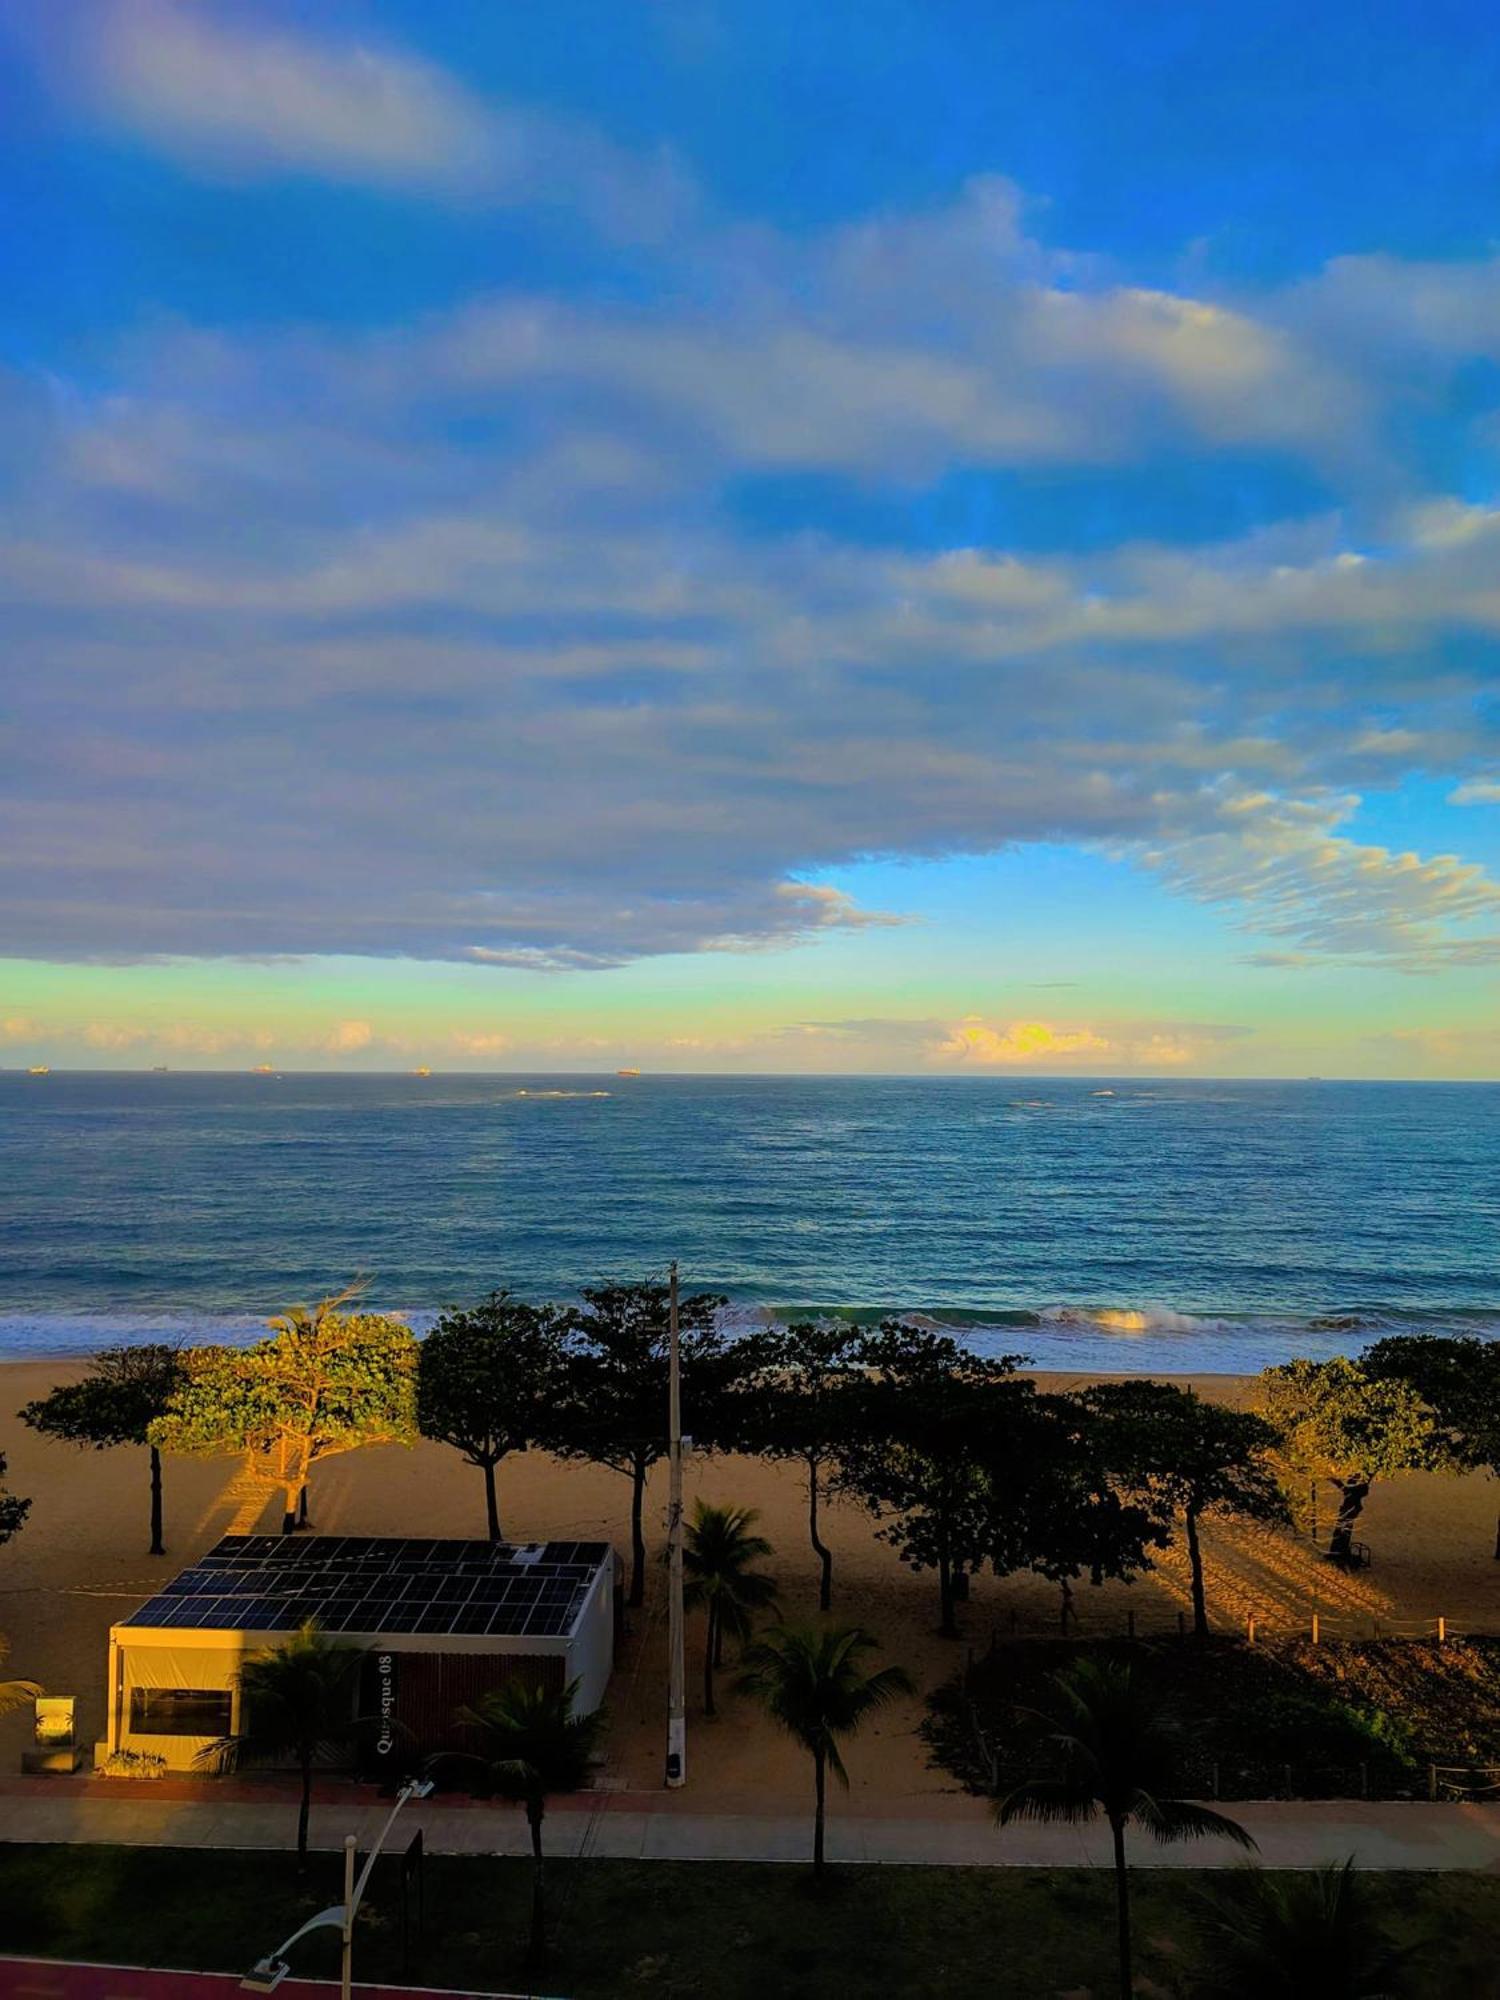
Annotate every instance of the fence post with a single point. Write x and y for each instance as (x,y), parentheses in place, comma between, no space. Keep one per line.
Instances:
(1315,1628)
(1442,1631)
(1286,1790)
(1432,1781)
(1250,1630)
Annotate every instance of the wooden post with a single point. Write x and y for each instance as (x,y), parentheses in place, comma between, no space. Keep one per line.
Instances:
(1315,1628)
(1432,1781)
(1442,1631)
(1250,1630)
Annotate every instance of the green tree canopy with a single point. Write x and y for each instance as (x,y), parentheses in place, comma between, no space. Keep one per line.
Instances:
(719,1551)
(298,1700)
(612,1408)
(1115,1755)
(531,1744)
(1337,1420)
(792,1400)
(1317,1934)
(813,1683)
(327,1382)
(1074,1516)
(924,1447)
(489,1379)
(125,1390)
(13,1509)
(1458,1377)
(1187,1458)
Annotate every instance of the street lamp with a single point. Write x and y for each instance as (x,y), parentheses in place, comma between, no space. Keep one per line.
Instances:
(267,1973)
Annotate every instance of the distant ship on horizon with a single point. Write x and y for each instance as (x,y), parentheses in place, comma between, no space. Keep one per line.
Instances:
(627,1072)
(40,1069)
(263,1069)
(422,1070)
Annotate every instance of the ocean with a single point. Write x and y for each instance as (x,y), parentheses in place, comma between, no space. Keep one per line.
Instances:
(1215,1226)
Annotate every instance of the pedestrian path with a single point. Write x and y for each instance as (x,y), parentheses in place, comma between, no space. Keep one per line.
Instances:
(637,1827)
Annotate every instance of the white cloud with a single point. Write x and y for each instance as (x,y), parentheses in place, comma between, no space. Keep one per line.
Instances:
(1476,792)
(349,1037)
(247,99)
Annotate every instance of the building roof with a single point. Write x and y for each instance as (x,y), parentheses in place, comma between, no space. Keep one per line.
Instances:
(379,1586)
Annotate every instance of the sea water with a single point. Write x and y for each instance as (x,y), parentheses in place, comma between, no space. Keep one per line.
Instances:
(1083,1223)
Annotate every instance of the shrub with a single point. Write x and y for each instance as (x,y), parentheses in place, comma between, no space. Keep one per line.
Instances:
(134,1764)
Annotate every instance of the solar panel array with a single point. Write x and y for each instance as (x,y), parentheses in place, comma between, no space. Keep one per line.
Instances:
(379,1586)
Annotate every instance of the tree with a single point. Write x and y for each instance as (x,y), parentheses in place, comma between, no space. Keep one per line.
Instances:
(612,1408)
(1315,1935)
(328,1382)
(1188,1458)
(1114,1755)
(124,1392)
(794,1402)
(488,1380)
(1458,1377)
(15,1694)
(926,1429)
(297,1699)
(532,1745)
(718,1550)
(13,1510)
(1336,1420)
(813,1686)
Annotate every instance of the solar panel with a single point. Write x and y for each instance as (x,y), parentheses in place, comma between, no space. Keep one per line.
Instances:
(371,1585)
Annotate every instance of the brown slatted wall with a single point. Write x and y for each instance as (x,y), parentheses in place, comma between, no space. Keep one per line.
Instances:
(433,1685)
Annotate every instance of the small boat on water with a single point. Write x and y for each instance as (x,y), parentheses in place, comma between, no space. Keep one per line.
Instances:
(627,1072)
(263,1069)
(40,1069)
(422,1070)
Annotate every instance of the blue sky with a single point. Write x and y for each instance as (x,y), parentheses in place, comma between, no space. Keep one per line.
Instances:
(894,537)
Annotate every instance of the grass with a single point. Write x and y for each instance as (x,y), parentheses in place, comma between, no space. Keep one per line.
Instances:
(734,1932)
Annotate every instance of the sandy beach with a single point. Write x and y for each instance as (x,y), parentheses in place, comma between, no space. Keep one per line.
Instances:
(80,1564)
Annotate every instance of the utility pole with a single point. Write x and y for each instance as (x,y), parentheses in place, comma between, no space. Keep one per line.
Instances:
(676,1674)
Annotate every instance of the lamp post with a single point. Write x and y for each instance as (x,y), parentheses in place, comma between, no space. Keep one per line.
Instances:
(267,1973)
(676,1674)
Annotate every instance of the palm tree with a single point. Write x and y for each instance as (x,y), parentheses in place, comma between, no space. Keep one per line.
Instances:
(717,1553)
(533,1745)
(14,1694)
(1116,1753)
(1313,1936)
(812,1684)
(296,1699)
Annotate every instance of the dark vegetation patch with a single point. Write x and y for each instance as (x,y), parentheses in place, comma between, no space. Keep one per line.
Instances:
(1344,1719)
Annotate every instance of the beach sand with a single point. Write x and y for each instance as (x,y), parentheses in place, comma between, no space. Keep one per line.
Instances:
(80,1564)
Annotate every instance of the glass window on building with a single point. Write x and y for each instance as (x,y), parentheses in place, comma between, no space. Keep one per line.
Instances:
(179,1711)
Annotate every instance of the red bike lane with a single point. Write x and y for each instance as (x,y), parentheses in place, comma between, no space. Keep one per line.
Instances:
(50,1979)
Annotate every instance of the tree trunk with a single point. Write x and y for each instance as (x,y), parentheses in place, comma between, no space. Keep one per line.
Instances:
(1351,1498)
(824,1555)
(710,1642)
(157,1546)
(820,1791)
(302,1506)
(637,1537)
(536,1950)
(305,1759)
(289,1511)
(491,1504)
(949,1625)
(1195,1562)
(1122,1907)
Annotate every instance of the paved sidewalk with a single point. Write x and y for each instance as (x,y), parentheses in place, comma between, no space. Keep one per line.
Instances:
(627,1826)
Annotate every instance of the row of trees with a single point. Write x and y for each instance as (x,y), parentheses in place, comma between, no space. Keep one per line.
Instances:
(962,1460)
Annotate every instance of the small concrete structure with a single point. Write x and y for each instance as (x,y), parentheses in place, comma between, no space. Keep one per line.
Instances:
(441,1622)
